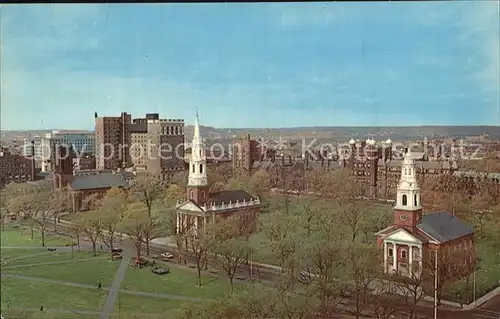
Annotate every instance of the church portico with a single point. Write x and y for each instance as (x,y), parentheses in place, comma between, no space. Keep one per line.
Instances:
(402,258)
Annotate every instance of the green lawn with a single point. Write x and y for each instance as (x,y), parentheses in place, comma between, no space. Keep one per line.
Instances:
(136,307)
(33,294)
(21,237)
(40,256)
(179,281)
(89,272)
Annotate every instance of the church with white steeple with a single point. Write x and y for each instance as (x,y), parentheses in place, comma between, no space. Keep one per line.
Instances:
(413,236)
(202,206)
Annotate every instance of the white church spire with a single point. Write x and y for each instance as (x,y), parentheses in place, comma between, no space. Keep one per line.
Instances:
(408,192)
(197,164)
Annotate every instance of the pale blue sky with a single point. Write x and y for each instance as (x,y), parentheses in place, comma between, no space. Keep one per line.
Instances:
(252,64)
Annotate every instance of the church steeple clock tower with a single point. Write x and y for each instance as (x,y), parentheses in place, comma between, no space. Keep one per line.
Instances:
(197,188)
(408,210)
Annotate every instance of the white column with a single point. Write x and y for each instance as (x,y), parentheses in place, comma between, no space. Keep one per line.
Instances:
(385,257)
(410,259)
(178,223)
(196,222)
(395,256)
(421,257)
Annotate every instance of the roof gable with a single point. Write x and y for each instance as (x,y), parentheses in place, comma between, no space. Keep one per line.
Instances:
(444,226)
(403,236)
(189,205)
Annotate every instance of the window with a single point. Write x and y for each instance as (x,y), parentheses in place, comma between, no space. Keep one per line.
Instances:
(403,253)
(192,168)
(404,200)
(390,252)
(415,200)
(201,168)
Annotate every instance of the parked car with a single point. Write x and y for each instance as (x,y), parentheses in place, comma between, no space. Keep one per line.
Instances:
(160,271)
(167,255)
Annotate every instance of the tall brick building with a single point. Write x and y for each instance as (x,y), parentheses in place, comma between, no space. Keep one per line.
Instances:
(16,168)
(153,144)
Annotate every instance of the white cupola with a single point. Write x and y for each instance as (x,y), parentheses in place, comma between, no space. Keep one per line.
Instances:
(408,192)
(197,163)
(352,141)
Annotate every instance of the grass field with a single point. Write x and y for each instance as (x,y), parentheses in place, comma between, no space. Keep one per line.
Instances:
(83,268)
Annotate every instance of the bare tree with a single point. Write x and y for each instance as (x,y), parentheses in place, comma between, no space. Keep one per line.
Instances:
(148,191)
(92,229)
(199,250)
(113,212)
(363,267)
(411,288)
(76,231)
(284,237)
(230,249)
(134,225)
(384,300)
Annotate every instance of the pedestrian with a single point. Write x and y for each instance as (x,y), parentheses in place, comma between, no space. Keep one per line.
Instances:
(41,308)
(99,286)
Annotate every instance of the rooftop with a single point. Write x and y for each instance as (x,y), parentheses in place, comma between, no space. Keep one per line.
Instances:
(444,226)
(105,180)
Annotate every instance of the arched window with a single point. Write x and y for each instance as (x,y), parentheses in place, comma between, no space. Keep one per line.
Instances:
(192,168)
(201,168)
(404,199)
(191,194)
(415,200)
(200,153)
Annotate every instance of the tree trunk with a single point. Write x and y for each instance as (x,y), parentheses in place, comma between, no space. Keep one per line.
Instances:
(42,231)
(78,241)
(147,246)
(55,223)
(94,248)
(198,265)
(231,283)
(32,231)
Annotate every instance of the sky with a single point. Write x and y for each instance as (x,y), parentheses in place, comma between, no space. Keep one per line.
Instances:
(252,64)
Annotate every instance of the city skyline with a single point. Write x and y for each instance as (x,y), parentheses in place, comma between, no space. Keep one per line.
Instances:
(253,64)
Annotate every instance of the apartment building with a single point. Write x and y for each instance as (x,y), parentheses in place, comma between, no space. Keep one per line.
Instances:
(150,143)
(16,168)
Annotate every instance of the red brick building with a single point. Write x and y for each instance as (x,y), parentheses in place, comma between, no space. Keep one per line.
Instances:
(16,168)
(82,184)
(415,238)
(201,206)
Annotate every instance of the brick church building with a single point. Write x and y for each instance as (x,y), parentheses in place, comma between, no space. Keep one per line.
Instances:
(202,206)
(411,243)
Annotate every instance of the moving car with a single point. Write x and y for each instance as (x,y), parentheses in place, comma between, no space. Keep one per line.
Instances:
(167,255)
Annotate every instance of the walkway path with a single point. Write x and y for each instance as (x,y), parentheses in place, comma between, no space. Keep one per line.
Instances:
(109,303)
(67,311)
(74,284)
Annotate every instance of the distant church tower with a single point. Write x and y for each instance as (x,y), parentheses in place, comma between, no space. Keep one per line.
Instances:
(197,188)
(408,210)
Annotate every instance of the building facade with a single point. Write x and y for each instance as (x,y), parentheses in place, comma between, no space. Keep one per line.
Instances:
(151,144)
(16,168)
(202,206)
(411,242)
